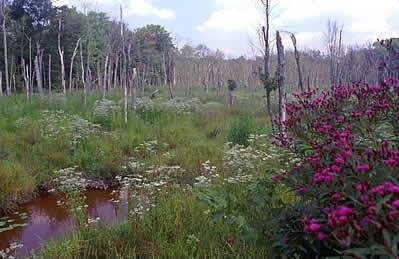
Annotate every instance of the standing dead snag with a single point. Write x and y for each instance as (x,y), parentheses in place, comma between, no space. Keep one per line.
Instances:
(267,82)
(49,74)
(282,95)
(231,85)
(71,68)
(38,77)
(338,78)
(61,53)
(3,14)
(134,89)
(298,63)
(1,84)
(123,70)
(105,80)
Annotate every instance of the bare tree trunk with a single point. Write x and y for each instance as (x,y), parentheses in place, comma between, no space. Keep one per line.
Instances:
(169,82)
(105,82)
(71,68)
(338,72)
(267,81)
(3,12)
(89,77)
(38,77)
(116,72)
(99,77)
(83,72)
(12,81)
(231,99)
(123,70)
(30,77)
(165,77)
(134,90)
(110,73)
(298,63)
(1,83)
(25,75)
(49,74)
(61,53)
(281,81)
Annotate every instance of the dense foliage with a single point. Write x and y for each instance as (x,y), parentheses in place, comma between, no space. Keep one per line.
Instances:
(348,182)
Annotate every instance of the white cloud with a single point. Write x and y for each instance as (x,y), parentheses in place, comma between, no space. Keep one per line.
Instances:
(143,8)
(232,15)
(147,8)
(366,19)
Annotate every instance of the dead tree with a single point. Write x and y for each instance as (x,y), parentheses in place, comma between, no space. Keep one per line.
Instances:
(339,55)
(134,89)
(3,14)
(331,38)
(267,82)
(298,63)
(83,73)
(105,81)
(1,83)
(61,53)
(49,74)
(125,101)
(38,76)
(30,77)
(72,60)
(282,95)
(25,75)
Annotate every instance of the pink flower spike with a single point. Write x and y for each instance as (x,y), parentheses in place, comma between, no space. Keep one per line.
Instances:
(396,204)
(339,160)
(314,227)
(362,168)
(321,236)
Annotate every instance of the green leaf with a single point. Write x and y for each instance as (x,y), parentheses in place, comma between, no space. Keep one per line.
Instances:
(387,237)
(362,252)
(378,207)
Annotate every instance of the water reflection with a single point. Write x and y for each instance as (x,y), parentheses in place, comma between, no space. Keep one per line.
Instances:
(46,220)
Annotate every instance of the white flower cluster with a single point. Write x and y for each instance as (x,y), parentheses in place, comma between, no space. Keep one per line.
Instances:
(148,148)
(132,167)
(91,221)
(179,105)
(7,253)
(208,173)
(241,162)
(70,180)
(105,108)
(146,183)
(57,123)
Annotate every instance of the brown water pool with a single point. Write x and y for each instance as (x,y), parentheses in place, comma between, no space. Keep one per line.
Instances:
(45,218)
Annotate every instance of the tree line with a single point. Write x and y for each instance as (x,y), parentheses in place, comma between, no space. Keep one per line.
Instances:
(61,49)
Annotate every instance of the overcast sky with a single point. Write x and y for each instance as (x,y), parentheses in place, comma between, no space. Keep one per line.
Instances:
(231,25)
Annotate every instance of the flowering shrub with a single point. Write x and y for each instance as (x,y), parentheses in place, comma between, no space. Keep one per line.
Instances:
(104,110)
(349,177)
(178,105)
(54,124)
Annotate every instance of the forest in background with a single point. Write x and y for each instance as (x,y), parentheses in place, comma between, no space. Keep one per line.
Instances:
(60,49)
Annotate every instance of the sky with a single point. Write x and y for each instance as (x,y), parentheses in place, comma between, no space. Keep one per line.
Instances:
(232,25)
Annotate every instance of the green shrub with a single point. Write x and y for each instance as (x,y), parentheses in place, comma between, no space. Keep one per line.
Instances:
(15,181)
(240,130)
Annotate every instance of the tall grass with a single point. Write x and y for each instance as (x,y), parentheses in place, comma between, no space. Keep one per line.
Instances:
(193,138)
(178,228)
